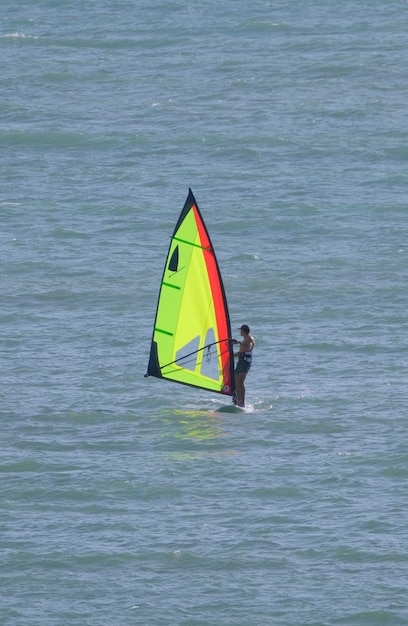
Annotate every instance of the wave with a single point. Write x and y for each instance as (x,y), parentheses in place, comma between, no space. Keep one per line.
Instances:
(18,36)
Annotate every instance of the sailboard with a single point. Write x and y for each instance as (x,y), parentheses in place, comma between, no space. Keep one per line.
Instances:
(191,342)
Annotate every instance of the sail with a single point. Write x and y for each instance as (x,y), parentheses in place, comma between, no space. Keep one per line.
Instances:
(191,337)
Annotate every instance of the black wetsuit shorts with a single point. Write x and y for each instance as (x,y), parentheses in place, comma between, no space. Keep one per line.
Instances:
(244,363)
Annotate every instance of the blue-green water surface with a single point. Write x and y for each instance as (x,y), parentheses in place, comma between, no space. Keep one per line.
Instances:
(127,500)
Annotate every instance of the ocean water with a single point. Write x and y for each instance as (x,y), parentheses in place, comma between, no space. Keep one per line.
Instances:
(127,500)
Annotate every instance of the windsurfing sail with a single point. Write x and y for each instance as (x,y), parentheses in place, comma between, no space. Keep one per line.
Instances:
(191,341)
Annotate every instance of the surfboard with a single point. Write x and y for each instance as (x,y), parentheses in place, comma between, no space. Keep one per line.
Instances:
(230,408)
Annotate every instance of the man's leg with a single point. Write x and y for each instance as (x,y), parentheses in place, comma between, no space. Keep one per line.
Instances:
(240,389)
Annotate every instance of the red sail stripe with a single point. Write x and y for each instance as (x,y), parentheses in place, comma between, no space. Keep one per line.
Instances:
(218,299)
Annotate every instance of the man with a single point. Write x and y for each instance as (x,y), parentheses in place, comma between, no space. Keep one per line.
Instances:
(244,363)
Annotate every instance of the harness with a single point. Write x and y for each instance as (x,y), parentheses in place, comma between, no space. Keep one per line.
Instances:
(245,356)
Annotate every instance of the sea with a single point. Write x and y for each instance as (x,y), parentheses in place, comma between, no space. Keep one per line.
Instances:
(127,500)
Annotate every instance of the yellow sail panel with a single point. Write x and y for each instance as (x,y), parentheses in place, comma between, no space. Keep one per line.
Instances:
(191,338)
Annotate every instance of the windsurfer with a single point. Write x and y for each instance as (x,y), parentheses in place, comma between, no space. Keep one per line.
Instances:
(243,366)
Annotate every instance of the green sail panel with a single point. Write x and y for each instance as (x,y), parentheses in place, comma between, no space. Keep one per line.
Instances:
(191,337)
